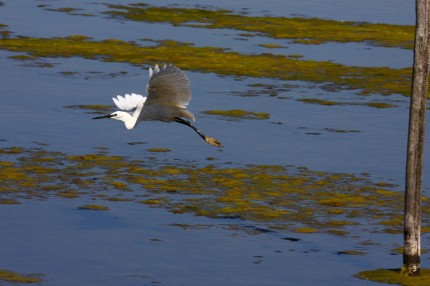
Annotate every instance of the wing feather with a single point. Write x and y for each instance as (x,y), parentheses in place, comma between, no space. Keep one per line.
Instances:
(168,86)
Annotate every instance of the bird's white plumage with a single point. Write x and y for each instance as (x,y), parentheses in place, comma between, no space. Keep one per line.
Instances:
(129,101)
(169,94)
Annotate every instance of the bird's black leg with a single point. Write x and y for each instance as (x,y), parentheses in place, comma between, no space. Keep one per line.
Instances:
(209,140)
(185,122)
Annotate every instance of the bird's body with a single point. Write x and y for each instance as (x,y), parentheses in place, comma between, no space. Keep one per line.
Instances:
(169,94)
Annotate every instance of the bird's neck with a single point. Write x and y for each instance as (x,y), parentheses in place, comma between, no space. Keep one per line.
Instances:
(130,121)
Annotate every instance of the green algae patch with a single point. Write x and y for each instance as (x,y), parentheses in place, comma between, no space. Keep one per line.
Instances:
(118,185)
(155,201)
(380,105)
(68,194)
(366,80)
(3,32)
(277,197)
(69,10)
(271,46)
(22,57)
(319,101)
(351,252)
(64,9)
(300,30)
(94,208)
(394,276)
(325,102)
(9,202)
(238,113)
(295,56)
(306,230)
(116,199)
(159,150)
(10,276)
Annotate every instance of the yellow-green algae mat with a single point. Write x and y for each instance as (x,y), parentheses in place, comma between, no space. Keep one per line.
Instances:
(394,276)
(13,277)
(367,80)
(279,197)
(300,30)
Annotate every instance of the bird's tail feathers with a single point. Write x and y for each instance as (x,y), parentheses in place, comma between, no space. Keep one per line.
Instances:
(189,115)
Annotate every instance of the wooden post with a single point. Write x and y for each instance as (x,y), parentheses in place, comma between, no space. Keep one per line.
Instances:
(413,190)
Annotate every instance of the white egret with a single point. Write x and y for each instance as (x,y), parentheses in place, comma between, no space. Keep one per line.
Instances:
(168,95)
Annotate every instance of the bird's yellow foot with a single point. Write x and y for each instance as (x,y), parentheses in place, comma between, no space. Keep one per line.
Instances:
(213,141)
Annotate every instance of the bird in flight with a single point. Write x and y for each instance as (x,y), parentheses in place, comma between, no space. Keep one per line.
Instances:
(168,95)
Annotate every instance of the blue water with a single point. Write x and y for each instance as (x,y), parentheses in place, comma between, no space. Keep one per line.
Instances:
(137,245)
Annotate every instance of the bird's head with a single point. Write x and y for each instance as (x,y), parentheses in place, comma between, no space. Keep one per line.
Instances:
(122,116)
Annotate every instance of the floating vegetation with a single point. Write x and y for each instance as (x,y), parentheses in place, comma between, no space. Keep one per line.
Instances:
(319,101)
(394,276)
(295,56)
(31,61)
(380,105)
(10,276)
(366,80)
(300,30)
(67,73)
(159,150)
(94,208)
(271,46)
(351,252)
(9,202)
(306,230)
(276,197)
(3,32)
(155,201)
(22,57)
(69,10)
(64,9)
(238,113)
(331,103)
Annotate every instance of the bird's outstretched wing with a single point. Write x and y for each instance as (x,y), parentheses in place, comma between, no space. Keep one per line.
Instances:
(168,86)
(129,101)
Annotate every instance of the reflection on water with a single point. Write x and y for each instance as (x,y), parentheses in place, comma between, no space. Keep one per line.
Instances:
(94,204)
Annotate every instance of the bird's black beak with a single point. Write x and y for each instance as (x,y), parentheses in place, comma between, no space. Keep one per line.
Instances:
(104,116)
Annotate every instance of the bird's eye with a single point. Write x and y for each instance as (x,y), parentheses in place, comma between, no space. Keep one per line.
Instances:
(114,114)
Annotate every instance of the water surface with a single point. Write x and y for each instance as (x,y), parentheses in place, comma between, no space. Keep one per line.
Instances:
(136,244)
